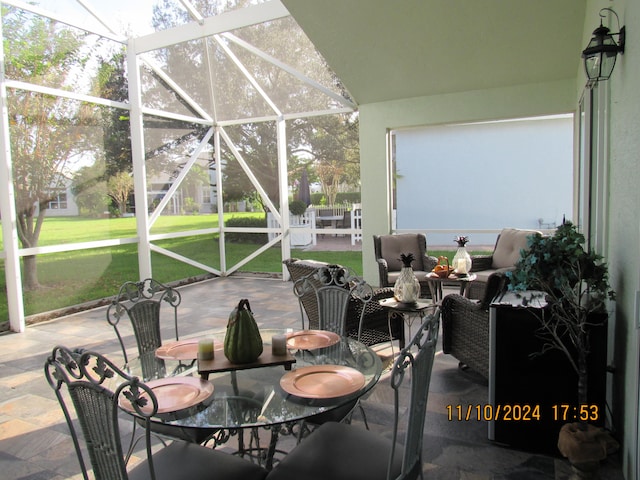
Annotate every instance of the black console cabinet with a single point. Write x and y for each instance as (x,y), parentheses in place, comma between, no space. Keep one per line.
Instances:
(535,388)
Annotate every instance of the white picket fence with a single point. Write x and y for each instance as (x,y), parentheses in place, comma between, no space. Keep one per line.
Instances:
(356,223)
(301,239)
(330,210)
(308,220)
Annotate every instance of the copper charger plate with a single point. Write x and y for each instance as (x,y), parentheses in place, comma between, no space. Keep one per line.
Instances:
(182,349)
(322,381)
(311,339)
(174,393)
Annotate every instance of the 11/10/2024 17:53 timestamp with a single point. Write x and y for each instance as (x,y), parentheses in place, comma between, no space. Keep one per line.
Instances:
(523,412)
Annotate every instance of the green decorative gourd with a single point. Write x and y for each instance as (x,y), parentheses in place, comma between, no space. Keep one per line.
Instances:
(242,342)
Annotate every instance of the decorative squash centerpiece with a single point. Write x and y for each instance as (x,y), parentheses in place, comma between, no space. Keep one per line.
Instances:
(242,342)
(407,287)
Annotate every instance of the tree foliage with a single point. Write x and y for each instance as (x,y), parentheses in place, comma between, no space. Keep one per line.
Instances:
(45,131)
(111,82)
(328,142)
(90,189)
(120,187)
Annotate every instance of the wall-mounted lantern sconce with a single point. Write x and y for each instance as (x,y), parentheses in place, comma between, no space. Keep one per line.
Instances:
(600,55)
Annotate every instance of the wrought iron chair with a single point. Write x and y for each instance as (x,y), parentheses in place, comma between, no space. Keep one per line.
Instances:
(333,286)
(367,321)
(340,451)
(89,378)
(141,302)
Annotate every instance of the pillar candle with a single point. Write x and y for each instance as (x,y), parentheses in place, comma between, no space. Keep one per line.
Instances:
(205,349)
(462,266)
(279,344)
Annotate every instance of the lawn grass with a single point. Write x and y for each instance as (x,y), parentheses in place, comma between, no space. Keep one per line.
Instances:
(61,230)
(72,278)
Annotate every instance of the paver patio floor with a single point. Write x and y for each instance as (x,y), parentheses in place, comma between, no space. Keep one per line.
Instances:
(35,444)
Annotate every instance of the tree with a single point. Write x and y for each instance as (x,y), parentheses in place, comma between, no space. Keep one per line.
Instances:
(332,143)
(119,187)
(194,180)
(111,82)
(90,189)
(45,130)
(236,98)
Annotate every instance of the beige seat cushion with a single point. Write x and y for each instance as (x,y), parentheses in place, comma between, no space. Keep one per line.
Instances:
(391,246)
(507,251)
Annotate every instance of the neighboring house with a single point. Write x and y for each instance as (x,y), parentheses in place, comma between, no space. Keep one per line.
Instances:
(205,196)
(62,202)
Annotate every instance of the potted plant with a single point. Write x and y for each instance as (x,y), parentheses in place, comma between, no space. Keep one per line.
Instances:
(575,285)
(297,209)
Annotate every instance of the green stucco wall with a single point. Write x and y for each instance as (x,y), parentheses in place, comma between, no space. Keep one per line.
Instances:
(377,119)
(623,232)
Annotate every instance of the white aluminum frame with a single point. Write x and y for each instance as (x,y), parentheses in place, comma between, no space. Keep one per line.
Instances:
(217,27)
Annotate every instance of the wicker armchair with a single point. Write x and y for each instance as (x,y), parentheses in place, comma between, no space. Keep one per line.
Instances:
(375,321)
(465,326)
(505,254)
(388,248)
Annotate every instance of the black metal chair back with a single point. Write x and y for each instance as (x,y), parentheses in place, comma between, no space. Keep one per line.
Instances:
(141,302)
(333,286)
(416,358)
(348,452)
(87,376)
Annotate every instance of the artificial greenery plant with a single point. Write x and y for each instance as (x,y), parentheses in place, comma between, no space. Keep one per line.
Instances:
(575,284)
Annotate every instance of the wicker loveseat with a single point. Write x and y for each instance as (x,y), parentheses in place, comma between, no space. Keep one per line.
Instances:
(376,325)
(503,258)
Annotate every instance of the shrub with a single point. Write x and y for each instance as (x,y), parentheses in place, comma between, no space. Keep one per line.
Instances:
(247,237)
(114,212)
(348,197)
(342,197)
(297,207)
(191,206)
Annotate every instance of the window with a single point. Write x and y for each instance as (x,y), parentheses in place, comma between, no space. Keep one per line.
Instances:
(58,201)
(482,176)
(592,167)
(206,194)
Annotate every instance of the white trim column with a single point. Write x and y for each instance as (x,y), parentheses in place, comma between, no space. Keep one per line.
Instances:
(139,167)
(8,208)
(285,244)
(220,201)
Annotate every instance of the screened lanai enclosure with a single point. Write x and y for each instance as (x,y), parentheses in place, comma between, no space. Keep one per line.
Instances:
(147,111)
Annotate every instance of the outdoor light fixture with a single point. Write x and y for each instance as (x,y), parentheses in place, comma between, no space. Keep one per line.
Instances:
(600,55)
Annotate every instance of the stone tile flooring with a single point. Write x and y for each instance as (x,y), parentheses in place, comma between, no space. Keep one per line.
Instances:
(34,440)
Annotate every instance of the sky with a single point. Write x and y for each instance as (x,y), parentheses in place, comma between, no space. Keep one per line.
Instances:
(120,14)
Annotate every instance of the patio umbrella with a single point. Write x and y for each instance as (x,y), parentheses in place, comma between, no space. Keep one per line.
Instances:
(304,192)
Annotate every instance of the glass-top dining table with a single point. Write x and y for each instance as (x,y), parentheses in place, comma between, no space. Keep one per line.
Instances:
(321,372)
